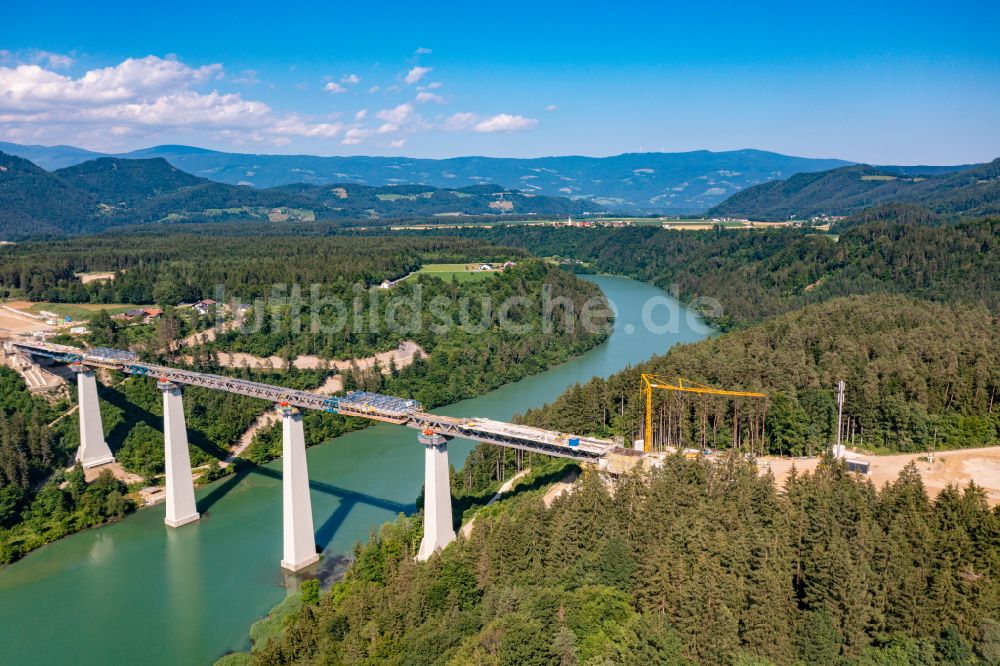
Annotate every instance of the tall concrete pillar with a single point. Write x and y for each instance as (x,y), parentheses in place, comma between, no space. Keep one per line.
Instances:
(438,531)
(300,541)
(181,508)
(93,449)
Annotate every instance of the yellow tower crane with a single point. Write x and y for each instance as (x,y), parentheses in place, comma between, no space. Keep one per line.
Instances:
(650,382)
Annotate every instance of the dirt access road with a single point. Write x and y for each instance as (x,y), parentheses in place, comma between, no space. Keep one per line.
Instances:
(956,467)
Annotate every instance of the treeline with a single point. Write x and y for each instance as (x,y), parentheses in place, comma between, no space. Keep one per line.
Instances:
(471,349)
(170,267)
(480,349)
(110,192)
(354,323)
(901,213)
(132,414)
(757,274)
(36,507)
(917,373)
(970,192)
(693,562)
(28,448)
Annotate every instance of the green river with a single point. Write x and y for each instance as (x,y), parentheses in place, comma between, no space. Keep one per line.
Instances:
(139,592)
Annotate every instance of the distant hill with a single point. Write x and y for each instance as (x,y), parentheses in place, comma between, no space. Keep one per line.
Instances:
(117,181)
(847,190)
(892,212)
(688,182)
(50,157)
(109,192)
(33,202)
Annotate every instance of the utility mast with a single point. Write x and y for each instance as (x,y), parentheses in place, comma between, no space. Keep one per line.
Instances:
(838,452)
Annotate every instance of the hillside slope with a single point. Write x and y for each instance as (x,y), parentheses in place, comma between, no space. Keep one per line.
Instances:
(751,276)
(632,182)
(974,191)
(911,366)
(109,192)
(114,180)
(35,203)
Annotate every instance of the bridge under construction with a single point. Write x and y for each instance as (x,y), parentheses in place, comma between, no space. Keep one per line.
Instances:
(299,546)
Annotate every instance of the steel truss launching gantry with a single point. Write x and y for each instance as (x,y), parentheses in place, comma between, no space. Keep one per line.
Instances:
(299,547)
(361,404)
(651,382)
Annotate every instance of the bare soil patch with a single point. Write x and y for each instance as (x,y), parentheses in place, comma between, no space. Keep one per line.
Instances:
(957,467)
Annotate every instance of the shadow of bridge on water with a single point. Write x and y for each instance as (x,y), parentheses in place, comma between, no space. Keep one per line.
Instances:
(325,533)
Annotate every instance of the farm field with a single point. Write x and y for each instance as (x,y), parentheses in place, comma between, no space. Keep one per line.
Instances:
(461,272)
(76,311)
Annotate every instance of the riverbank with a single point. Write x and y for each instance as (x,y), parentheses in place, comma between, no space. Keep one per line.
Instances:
(206,583)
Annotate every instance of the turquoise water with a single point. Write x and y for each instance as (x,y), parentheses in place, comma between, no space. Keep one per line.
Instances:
(138,592)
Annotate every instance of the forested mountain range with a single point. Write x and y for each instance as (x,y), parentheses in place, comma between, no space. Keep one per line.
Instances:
(109,192)
(913,367)
(754,275)
(973,191)
(632,182)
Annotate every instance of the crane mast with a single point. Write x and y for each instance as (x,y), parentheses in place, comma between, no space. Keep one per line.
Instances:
(659,382)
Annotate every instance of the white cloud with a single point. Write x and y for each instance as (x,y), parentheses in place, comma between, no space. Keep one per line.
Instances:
(551,107)
(36,57)
(141,97)
(397,143)
(505,122)
(296,126)
(416,74)
(397,115)
(53,60)
(425,97)
(459,121)
(373,90)
(433,85)
(142,100)
(355,136)
(422,51)
(30,87)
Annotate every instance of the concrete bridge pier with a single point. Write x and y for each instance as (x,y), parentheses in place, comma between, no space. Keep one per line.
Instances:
(300,541)
(438,531)
(181,508)
(93,449)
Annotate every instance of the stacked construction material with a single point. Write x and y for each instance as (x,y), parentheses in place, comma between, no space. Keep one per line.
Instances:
(365,402)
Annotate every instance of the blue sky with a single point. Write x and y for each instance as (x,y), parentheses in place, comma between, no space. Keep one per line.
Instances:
(888,82)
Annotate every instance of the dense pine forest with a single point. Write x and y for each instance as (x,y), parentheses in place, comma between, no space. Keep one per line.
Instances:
(969,192)
(754,275)
(469,344)
(917,371)
(32,446)
(174,265)
(711,563)
(693,562)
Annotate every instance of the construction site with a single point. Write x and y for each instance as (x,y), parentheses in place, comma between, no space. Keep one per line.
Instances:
(42,366)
